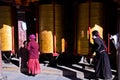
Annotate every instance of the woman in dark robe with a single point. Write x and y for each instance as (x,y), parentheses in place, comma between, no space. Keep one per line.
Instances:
(101,60)
(23,54)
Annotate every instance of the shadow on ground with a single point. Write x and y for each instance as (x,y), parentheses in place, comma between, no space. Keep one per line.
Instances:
(72,74)
(69,70)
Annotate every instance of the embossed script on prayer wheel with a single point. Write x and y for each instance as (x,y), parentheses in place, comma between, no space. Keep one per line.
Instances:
(6,38)
(50,24)
(46,42)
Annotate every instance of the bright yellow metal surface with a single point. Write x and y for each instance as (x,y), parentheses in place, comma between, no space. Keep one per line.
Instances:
(99,29)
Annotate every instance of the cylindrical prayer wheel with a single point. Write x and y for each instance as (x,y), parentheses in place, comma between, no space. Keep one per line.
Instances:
(5,28)
(46,42)
(50,24)
(89,14)
(6,38)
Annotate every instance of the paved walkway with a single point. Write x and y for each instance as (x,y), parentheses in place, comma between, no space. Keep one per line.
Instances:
(75,72)
(11,72)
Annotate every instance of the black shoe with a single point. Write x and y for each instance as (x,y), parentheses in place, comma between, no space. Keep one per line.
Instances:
(33,75)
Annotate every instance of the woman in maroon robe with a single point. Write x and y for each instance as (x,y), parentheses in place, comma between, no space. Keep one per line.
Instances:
(33,56)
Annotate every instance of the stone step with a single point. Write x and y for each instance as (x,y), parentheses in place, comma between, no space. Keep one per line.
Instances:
(50,70)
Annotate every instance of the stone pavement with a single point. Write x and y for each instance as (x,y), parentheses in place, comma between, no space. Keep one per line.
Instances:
(75,72)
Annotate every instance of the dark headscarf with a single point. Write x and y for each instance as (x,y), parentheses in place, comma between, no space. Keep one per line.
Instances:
(95,33)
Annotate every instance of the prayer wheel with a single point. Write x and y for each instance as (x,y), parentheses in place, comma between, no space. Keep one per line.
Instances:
(5,28)
(50,27)
(6,38)
(89,14)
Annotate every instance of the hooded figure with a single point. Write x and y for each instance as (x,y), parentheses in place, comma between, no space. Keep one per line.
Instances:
(33,56)
(32,36)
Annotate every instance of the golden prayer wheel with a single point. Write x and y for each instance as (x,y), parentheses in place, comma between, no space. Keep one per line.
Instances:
(5,28)
(6,38)
(50,26)
(89,14)
(46,42)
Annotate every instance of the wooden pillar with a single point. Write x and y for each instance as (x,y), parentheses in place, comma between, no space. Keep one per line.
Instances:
(0,65)
(13,48)
(109,44)
(0,61)
(54,29)
(118,53)
(89,24)
(75,28)
(37,22)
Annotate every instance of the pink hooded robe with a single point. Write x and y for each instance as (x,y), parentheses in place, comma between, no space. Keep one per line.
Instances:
(33,56)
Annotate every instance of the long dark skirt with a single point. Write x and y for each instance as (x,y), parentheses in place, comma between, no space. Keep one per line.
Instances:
(102,66)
